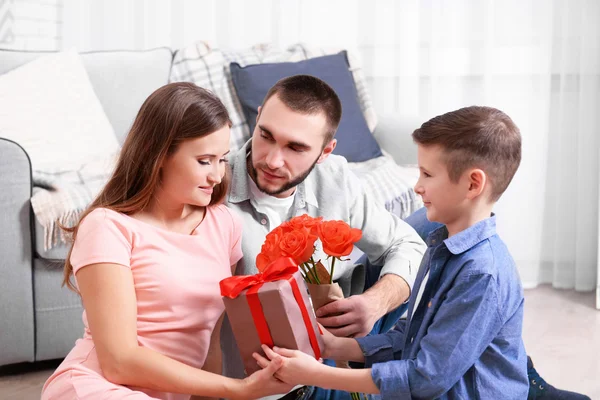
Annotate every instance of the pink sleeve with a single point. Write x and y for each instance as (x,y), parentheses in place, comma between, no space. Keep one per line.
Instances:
(236,238)
(101,238)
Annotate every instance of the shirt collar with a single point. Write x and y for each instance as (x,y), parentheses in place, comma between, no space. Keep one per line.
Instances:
(466,239)
(309,193)
(240,181)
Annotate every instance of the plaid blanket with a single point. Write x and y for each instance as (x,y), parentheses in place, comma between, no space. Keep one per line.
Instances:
(59,199)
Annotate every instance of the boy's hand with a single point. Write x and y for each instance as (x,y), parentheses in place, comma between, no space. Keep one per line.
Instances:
(329,342)
(297,367)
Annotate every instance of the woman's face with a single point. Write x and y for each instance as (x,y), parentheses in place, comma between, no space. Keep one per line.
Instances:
(189,175)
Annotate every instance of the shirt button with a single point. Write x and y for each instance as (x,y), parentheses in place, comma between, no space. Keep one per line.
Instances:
(412,339)
(263,221)
(429,304)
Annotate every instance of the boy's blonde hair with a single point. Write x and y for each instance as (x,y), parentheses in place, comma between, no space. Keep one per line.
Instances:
(476,137)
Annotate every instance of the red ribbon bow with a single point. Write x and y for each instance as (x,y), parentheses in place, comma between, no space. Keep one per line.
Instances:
(281,269)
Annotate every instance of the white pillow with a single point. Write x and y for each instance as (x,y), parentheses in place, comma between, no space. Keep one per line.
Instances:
(49,107)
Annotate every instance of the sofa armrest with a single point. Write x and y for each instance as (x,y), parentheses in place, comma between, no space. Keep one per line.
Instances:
(16,288)
(393,133)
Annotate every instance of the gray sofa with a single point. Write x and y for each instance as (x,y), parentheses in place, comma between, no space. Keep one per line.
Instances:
(39,319)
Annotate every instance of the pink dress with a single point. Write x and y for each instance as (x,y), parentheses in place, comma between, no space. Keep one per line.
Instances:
(176,279)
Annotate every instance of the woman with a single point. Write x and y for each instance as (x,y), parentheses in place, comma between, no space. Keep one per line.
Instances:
(147,257)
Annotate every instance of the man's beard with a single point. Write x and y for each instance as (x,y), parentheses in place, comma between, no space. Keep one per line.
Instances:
(291,184)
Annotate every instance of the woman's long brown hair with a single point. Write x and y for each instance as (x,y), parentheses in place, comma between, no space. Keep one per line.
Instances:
(172,114)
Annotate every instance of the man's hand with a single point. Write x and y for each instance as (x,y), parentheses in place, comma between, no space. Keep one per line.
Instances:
(351,317)
(356,315)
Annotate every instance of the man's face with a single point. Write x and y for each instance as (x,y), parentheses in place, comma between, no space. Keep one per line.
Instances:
(286,145)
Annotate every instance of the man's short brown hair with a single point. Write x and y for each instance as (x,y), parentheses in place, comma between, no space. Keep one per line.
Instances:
(307,94)
(476,137)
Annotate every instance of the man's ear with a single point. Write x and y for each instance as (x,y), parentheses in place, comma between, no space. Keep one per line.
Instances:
(327,151)
(477,183)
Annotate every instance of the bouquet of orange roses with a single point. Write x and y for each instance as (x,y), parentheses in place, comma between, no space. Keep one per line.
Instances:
(296,238)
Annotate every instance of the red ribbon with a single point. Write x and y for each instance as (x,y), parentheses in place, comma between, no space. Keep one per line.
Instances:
(311,333)
(281,269)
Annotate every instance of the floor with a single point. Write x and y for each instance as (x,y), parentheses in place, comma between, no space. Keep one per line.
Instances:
(561,333)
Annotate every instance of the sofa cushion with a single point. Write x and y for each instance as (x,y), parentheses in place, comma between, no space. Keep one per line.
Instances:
(209,68)
(355,141)
(56,90)
(122,80)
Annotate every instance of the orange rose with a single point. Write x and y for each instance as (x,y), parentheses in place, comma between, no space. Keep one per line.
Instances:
(298,244)
(338,237)
(270,250)
(304,221)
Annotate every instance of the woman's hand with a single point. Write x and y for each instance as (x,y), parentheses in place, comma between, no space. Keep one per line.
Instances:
(264,383)
(296,368)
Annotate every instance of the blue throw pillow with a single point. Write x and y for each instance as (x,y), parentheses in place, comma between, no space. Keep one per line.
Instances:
(355,141)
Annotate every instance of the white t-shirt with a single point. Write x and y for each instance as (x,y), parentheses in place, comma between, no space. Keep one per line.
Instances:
(274,208)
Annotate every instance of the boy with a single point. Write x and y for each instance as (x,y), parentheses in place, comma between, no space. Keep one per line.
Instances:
(463,338)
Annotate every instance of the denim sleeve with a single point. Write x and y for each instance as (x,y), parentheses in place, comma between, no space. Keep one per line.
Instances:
(464,325)
(383,347)
(386,239)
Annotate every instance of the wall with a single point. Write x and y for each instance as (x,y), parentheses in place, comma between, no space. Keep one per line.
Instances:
(30,24)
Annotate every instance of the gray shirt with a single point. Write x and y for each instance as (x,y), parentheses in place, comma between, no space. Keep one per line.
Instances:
(332,191)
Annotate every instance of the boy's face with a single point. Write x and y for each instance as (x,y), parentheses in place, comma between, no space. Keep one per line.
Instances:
(445,200)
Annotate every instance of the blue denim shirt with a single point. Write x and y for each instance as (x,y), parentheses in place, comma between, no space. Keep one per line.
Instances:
(463,339)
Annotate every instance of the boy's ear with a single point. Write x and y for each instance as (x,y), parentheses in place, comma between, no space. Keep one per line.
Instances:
(477,183)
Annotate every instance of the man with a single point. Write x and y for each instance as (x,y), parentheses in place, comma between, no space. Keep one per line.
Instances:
(287,169)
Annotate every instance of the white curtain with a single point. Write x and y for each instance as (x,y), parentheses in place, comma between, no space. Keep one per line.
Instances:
(537,60)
